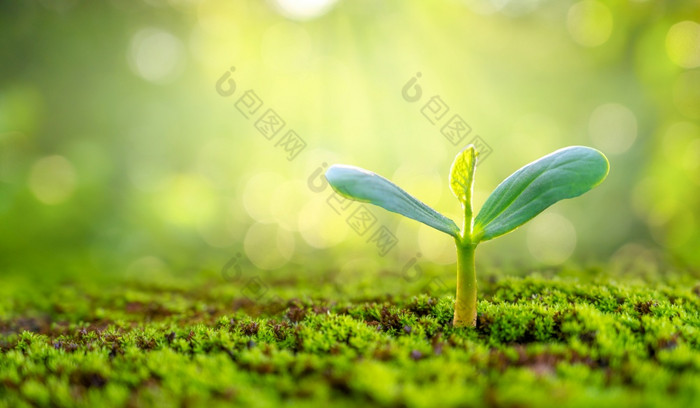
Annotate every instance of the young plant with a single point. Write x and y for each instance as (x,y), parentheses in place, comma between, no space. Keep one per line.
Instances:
(566,173)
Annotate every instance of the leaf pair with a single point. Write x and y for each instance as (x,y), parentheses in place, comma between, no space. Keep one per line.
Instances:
(566,173)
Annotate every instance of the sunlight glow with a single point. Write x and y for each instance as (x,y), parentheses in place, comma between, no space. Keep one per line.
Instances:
(156,55)
(613,128)
(683,44)
(303,9)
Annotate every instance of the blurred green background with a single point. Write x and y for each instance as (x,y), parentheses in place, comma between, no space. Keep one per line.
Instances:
(119,157)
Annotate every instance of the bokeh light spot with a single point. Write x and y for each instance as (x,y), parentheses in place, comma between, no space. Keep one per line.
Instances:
(320,225)
(590,23)
(289,198)
(551,238)
(303,9)
(683,44)
(52,179)
(613,128)
(258,198)
(156,55)
(267,246)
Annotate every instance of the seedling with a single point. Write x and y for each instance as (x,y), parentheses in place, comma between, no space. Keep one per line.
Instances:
(566,173)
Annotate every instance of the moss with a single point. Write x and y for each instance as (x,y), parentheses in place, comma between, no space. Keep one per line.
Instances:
(538,342)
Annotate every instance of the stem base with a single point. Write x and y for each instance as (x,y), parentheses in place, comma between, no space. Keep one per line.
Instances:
(465,303)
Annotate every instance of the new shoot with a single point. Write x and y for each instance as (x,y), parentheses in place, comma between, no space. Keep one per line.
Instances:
(566,173)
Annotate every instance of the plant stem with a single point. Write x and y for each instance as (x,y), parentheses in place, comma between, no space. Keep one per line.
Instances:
(465,304)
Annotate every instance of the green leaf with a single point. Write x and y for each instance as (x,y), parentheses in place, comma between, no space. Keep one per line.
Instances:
(363,185)
(462,182)
(566,173)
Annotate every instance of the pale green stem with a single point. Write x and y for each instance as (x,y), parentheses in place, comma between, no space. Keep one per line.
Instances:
(465,304)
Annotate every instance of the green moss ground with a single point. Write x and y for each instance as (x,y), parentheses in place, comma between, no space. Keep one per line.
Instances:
(539,342)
